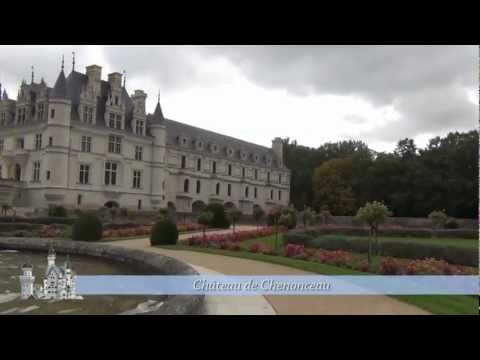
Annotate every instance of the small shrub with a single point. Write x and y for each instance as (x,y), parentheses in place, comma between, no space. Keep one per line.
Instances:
(438,218)
(390,266)
(451,223)
(87,228)
(219,217)
(164,232)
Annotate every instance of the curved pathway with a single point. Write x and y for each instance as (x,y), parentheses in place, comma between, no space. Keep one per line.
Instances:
(282,305)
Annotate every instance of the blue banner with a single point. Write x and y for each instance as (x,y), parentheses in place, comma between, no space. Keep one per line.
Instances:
(226,285)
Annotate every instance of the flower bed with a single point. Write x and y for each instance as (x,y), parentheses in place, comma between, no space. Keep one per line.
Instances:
(143,230)
(234,237)
(49,231)
(189,227)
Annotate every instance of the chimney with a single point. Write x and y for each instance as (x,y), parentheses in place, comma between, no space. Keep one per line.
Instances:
(94,73)
(115,80)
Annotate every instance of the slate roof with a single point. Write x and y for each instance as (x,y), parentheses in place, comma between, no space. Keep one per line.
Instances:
(60,88)
(176,129)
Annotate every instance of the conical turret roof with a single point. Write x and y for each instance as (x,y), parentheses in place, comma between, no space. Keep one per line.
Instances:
(60,88)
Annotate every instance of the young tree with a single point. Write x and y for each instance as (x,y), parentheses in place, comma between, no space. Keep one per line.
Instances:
(234,216)
(275,213)
(204,219)
(306,216)
(374,214)
(258,214)
(438,219)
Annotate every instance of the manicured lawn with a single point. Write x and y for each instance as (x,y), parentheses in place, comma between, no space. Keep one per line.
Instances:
(436,304)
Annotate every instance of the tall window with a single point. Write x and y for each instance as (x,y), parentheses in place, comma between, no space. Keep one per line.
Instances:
(229,189)
(79,199)
(229,169)
(3,118)
(111,120)
(186,185)
(199,164)
(138,153)
(52,113)
(217,189)
(1,145)
(86,143)
(50,141)
(139,204)
(246,192)
(198,186)
(243,172)
(214,167)
(20,143)
(111,173)
(137,179)
(271,194)
(184,162)
(139,128)
(279,195)
(116,100)
(279,178)
(115,144)
(36,171)
(255,193)
(41,111)
(268,177)
(84,174)
(38,141)
(88,114)
(118,122)
(256,174)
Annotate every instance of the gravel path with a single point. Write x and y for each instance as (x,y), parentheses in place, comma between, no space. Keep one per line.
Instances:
(282,305)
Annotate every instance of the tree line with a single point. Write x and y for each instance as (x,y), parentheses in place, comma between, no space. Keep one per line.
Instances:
(411,181)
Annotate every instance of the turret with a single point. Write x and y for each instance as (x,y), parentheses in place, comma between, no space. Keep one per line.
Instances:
(26,281)
(51,256)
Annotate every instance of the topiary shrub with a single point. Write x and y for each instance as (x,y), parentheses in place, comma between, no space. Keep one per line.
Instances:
(57,211)
(219,217)
(164,232)
(87,228)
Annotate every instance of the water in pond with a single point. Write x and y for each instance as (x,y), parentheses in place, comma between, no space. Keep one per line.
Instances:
(10,302)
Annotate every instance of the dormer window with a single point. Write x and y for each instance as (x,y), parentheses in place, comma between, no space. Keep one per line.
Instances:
(215,148)
(139,127)
(243,155)
(116,100)
(199,144)
(256,158)
(182,140)
(230,152)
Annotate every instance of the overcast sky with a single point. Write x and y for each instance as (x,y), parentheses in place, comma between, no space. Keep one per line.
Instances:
(313,94)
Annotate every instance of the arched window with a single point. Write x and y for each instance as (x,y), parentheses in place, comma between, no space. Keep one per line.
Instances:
(186,185)
(217,189)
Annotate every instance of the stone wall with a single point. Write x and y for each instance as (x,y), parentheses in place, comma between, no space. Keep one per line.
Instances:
(145,261)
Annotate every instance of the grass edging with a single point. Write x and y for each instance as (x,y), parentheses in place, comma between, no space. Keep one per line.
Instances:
(435,304)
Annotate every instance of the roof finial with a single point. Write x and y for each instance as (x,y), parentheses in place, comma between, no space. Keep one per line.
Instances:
(73,60)
(33,74)
(124,78)
(63,62)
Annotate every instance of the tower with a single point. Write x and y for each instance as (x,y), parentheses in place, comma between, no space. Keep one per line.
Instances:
(158,130)
(51,257)
(26,281)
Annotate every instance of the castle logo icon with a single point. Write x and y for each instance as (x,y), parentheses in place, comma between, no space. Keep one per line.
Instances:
(59,282)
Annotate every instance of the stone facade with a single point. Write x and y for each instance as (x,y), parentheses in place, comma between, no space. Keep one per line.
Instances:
(87,143)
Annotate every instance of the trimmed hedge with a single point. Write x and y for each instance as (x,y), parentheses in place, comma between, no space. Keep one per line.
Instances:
(45,220)
(408,250)
(16,226)
(87,228)
(164,232)
(400,232)
(57,211)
